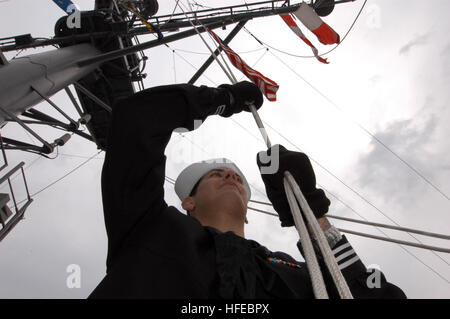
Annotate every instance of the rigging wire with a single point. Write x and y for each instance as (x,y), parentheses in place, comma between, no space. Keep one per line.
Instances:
(65,175)
(174,67)
(430,234)
(410,230)
(173,12)
(37,158)
(174,51)
(62,177)
(401,242)
(200,5)
(397,241)
(193,66)
(206,53)
(259,59)
(12,148)
(229,75)
(79,156)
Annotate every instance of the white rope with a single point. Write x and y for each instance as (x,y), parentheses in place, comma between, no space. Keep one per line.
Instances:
(319,289)
(328,256)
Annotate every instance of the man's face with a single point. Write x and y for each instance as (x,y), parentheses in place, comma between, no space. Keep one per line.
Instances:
(221,186)
(223,181)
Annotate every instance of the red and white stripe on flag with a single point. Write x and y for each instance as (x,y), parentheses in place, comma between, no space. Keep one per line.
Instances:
(314,23)
(294,27)
(268,87)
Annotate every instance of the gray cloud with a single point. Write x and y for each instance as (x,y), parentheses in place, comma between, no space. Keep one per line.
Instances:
(419,40)
(387,176)
(446,50)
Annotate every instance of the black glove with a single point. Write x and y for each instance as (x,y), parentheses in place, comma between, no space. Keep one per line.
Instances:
(299,166)
(242,94)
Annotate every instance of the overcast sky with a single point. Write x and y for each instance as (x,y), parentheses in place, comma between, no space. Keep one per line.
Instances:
(388,78)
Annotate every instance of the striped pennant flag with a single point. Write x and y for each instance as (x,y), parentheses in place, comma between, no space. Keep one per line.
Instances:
(267,86)
(314,23)
(294,27)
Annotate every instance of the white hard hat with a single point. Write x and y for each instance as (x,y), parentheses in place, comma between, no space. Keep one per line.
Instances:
(193,173)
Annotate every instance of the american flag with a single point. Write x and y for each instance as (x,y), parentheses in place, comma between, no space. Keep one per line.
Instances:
(266,85)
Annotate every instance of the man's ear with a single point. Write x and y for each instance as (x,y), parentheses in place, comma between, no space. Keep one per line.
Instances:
(188,203)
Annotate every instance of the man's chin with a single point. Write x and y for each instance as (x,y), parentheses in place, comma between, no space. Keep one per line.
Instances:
(231,195)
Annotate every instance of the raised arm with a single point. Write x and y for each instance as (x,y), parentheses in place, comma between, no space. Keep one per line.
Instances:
(134,168)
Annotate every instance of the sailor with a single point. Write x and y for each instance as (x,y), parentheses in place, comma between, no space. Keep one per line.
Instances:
(157,251)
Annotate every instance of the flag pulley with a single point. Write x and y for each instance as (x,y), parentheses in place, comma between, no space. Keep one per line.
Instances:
(324,7)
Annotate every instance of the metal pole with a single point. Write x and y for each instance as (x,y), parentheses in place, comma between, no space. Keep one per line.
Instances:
(48,147)
(75,124)
(217,51)
(48,72)
(93,97)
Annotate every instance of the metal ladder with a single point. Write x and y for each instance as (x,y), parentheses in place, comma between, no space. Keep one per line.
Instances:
(9,218)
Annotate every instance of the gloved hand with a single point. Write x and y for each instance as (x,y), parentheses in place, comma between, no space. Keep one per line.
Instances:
(242,94)
(299,165)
